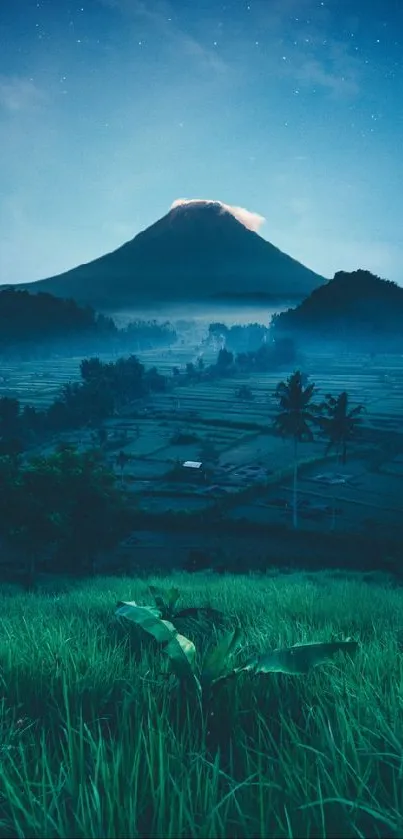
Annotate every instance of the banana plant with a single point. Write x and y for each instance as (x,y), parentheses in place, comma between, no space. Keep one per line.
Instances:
(180,650)
(218,663)
(201,617)
(298,659)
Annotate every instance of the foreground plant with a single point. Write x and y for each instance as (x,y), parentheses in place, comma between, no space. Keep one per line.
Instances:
(218,663)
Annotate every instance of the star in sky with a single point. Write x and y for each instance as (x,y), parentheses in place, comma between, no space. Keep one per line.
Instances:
(110,109)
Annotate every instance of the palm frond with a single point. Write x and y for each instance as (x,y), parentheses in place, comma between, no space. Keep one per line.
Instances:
(296,410)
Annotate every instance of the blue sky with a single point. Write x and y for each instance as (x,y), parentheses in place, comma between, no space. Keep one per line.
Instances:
(112,109)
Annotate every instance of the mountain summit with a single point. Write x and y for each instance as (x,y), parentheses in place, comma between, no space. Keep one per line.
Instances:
(196,252)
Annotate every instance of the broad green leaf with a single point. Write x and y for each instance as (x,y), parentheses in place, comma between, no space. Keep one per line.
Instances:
(182,654)
(173,595)
(298,659)
(179,649)
(132,603)
(188,648)
(148,618)
(158,598)
(165,600)
(216,664)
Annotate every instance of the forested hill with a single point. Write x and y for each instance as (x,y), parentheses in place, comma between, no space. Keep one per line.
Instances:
(33,325)
(358,309)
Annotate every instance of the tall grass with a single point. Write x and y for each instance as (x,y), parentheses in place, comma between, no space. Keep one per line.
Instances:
(97,741)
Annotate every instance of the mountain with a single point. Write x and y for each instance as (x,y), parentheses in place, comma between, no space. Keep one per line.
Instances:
(355,309)
(196,252)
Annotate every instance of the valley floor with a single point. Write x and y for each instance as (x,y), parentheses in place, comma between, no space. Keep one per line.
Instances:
(251,476)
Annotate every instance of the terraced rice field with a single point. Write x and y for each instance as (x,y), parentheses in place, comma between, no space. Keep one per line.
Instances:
(382,399)
(378,386)
(210,410)
(368,501)
(37,382)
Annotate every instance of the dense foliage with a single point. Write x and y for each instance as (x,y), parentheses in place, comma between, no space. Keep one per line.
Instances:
(64,508)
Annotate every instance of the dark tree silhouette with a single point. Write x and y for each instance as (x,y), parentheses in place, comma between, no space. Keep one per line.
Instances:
(296,414)
(37,325)
(225,360)
(340,424)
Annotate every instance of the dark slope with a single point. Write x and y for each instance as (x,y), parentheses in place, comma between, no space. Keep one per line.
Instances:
(195,252)
(357,309)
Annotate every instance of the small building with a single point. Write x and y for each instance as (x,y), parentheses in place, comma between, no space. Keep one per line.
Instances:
(196,470)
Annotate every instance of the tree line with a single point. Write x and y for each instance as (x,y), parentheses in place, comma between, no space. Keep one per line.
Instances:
(239,337)
(40,325)
(104,390)
(269,356)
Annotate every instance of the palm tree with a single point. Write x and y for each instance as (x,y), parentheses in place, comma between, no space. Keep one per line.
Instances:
(340,425)
(296,414)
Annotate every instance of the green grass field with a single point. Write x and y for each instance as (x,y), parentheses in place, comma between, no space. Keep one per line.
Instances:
(96,742)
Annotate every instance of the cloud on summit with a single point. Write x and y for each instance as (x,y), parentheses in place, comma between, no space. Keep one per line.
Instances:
(253,221)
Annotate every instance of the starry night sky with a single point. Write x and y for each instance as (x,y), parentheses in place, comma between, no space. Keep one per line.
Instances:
(112,109)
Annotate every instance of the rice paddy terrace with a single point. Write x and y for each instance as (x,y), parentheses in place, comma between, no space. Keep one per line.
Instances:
(377,384)
(37,382)
(246,453)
